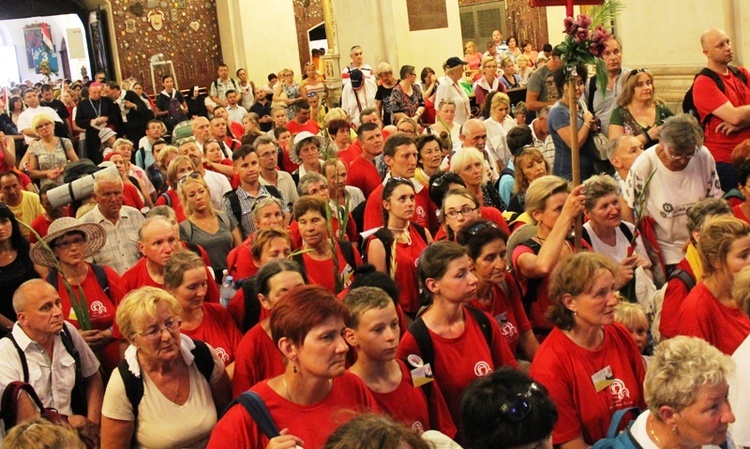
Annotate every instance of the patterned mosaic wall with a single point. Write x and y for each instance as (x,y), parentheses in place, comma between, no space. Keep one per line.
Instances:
(521,20)
(185,31)
(307,14)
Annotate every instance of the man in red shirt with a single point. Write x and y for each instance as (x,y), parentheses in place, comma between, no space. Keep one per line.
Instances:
(401,159)
(301,121)
(729,124)
(362,172)
(158,239)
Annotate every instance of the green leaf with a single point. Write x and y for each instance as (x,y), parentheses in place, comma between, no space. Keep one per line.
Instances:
(606,13)
(602,77)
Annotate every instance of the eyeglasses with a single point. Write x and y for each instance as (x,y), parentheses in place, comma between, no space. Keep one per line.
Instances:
(516,409)
(171,325)
(465,211)
(480,227)
(191,175)
(676,157)
(398,180)
(406,131)
(43,125)
(80,241)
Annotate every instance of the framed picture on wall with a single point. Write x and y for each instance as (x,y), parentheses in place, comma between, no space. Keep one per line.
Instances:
(39,46)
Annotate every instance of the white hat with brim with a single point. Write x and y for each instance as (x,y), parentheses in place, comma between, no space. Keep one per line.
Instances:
(299,139)
(94,235)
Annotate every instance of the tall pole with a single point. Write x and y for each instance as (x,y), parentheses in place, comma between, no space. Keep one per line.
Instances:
(574,150)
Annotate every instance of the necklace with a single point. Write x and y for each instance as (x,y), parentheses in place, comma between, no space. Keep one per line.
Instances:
(404,232)
(653,434)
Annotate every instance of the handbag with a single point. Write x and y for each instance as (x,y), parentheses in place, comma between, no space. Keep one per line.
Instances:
(601,142)
(9,405)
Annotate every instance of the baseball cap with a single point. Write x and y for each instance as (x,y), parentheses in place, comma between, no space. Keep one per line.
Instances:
(454,61)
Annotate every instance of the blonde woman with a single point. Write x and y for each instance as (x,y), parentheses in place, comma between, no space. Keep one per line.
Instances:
(488,82)
(473,58)
(206,226)
(287,93)
(49,154)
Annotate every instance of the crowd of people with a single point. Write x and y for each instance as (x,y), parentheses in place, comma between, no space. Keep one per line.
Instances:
(257,268)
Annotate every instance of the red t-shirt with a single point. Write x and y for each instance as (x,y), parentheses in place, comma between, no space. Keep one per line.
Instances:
(364,175)
(296,128)
(425,211)
(314,423)
(102,309)
(542,304)
(674,296)
(218,330)
(41,226)
(411,406)
(736,209)
(406,271)
(137,276)
(240,261)
(703,316)
(507,309)
(566,370)
(286,161)
(176,204)
(458,361)
(707,98)
(320,272)
(257,359)
(350,154)
(130,196)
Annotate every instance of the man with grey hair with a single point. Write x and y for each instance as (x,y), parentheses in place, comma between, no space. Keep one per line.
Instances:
(474,136)
(49,353)
(622,151)
(270,175)
(316,185)
(313,184)
(540,134)
(120,222)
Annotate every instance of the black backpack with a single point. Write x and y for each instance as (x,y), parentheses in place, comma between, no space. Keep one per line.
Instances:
(688,104)
(386,236)
(78,396)
(234,203)
(134,385)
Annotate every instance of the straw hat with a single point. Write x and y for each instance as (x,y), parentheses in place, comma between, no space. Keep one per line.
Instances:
(303,137)
(94,234)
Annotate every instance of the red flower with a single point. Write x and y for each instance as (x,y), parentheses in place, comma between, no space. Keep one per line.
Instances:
(583,21)
(581,35)
(600,35)
(596,49)
(570,26)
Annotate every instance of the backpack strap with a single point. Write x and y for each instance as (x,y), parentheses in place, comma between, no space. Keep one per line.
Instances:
(625,231)
(421,334)
(684,276)
(21,356)
(9,404)
(532,285)
(617,420)
(585,235)
(484,324)
(252,305)
(167,198)
(347,250)
(592,91)
(194,247)
(234,204)
(101,278)
(203,360)
(274,192)
(78,396)
(386,237)
(705,71)
(257,409)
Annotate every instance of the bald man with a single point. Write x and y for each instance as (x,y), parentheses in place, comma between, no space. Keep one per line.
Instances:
(50,347)
(727,109)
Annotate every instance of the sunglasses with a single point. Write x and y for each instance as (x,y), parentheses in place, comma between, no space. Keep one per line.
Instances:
(191,175)
(517,408)
(478,228)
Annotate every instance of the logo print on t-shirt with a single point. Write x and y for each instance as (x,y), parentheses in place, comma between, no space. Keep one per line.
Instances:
(98,309)
(222,354)
(482,368)
(421,214)
(619,391)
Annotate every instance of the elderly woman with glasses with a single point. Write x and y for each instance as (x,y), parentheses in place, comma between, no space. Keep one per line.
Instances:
(668,178)
(639,112)
(177,377)
(206,226)
(590,364)
(49,155)
(406,98)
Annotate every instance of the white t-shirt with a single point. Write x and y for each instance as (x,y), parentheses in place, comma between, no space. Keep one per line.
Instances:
(739,394)
(640,433)
(218,185)
(670,194)
(27,116)
(496,142)
(162,423)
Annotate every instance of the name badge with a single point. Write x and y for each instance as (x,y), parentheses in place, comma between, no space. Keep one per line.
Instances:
(603,379)
(422,372)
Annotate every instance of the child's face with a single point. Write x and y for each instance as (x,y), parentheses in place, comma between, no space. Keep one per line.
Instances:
(639,331)
(378,333)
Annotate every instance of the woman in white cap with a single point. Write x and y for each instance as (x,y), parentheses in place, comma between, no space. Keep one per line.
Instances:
(72,243)
(108,138)
(306,153)
(449,88)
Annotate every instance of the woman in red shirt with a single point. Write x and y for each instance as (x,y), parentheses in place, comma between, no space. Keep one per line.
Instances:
(395,248)
(186,278)
(72,243)
(497,291)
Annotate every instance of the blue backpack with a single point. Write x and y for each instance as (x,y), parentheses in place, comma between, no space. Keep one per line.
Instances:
(625,439)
